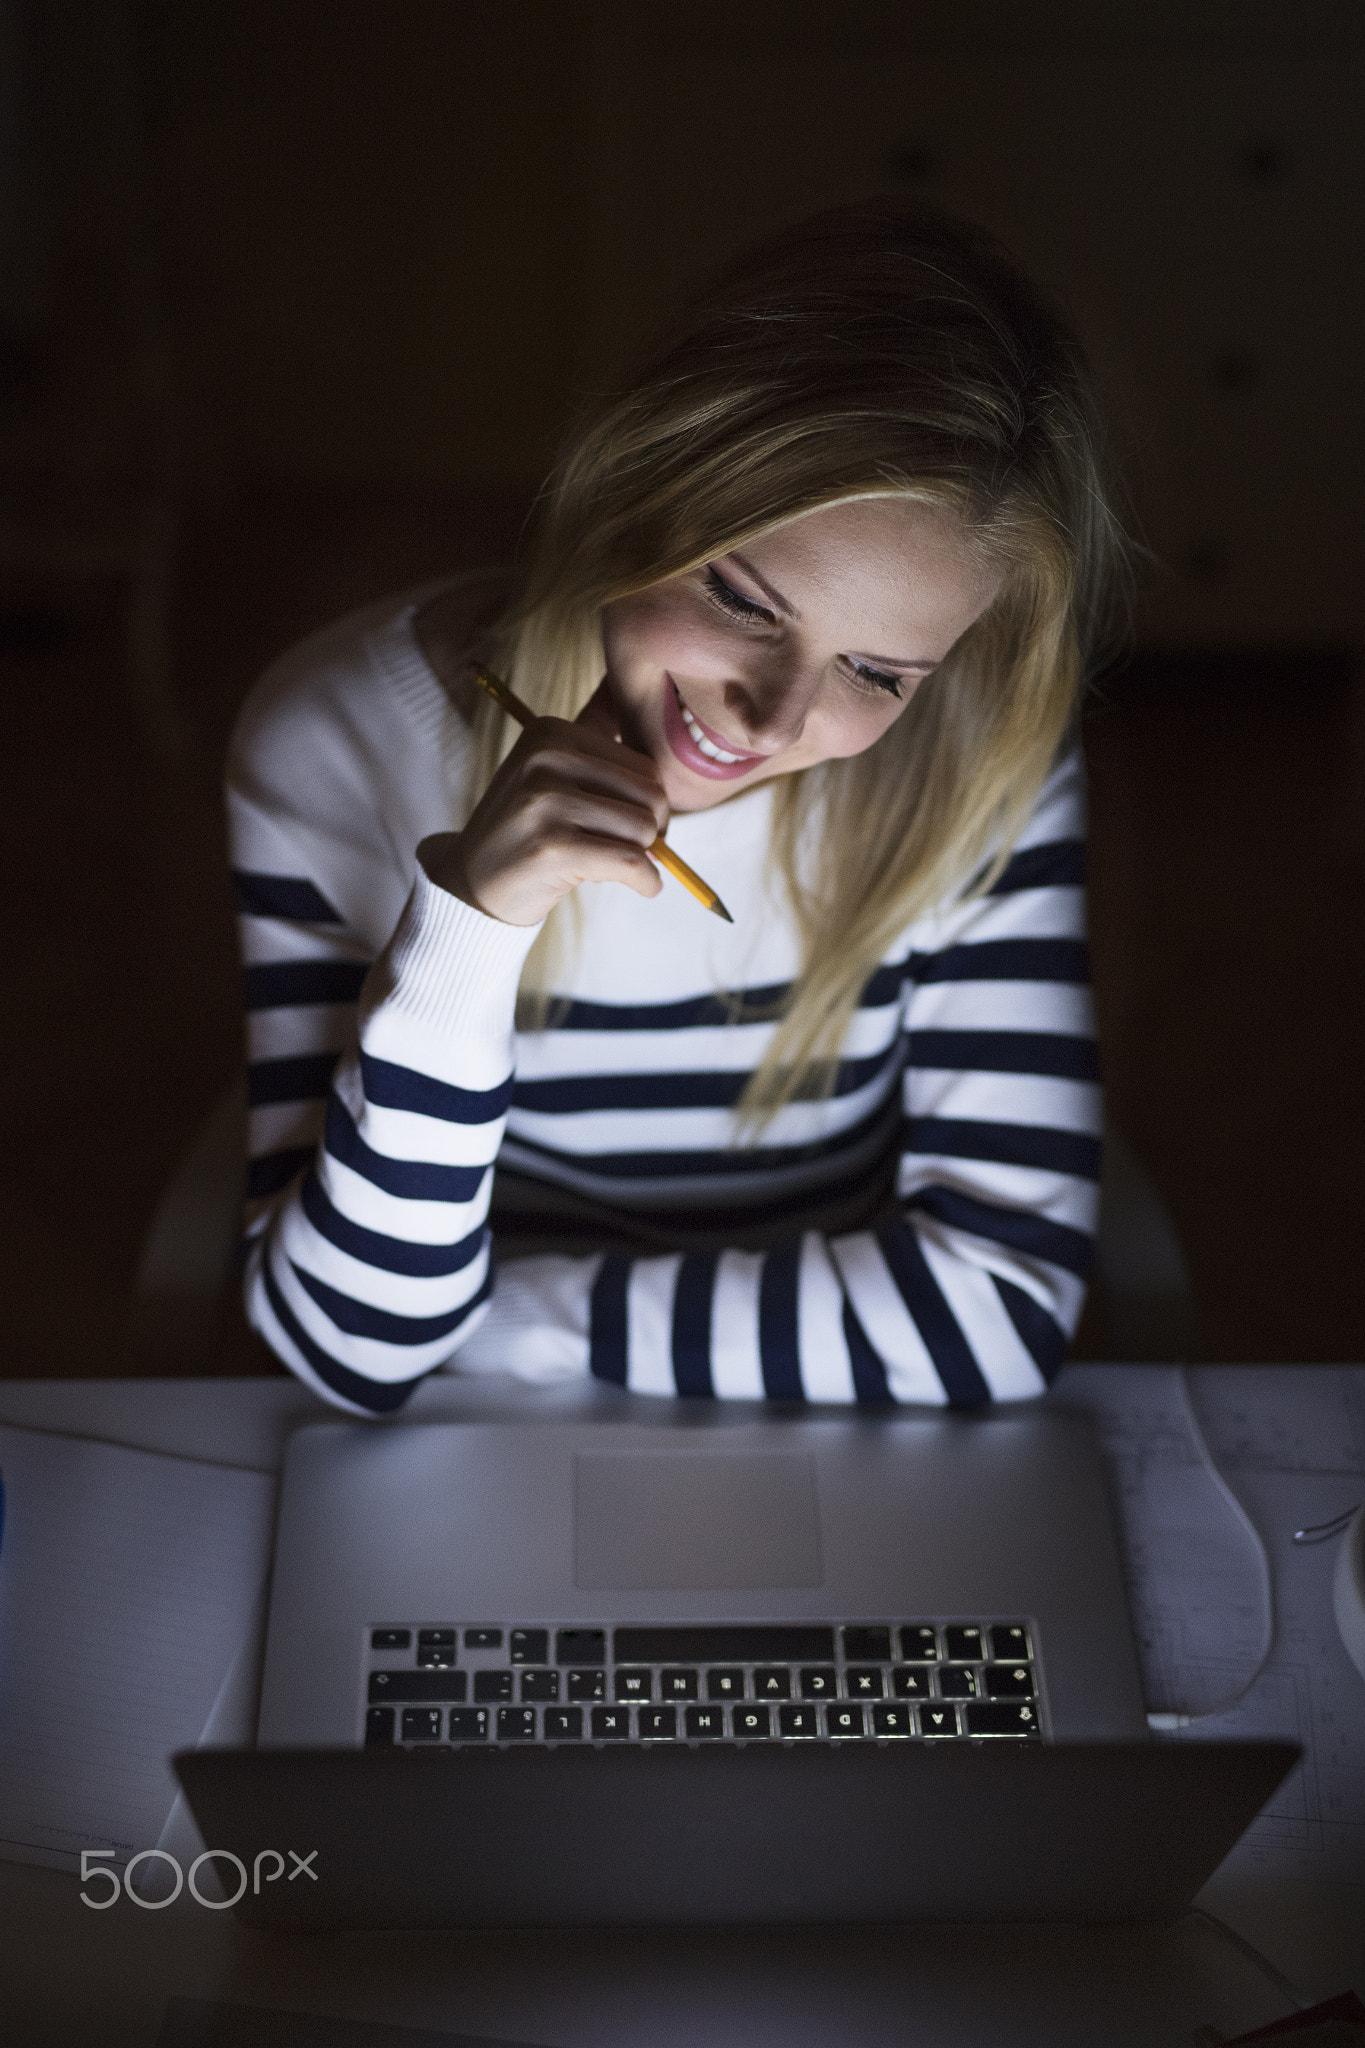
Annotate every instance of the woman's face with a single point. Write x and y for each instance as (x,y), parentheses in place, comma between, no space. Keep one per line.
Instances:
(802,647)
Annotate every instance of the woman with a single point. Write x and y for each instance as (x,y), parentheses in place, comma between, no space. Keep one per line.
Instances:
(817,592)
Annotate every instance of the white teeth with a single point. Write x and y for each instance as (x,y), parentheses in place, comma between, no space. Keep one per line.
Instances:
(699,739)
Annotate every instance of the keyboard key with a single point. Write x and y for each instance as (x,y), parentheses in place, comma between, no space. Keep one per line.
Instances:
(416,1685)
(540,1685)
(1009,1681)
(610,1724)
(581,1646)
(919,1645)
(378,1727)
(867,1645)
(910,1682)
(563,1724)
(1000,1717)
(843,1721)
(678,1685)
(435,1638)
(529,1646)
(1009,1643)
(516,1724)
(435,1657)
(956,1685)
(658,1724)
(937,1720)
(892,1721)
(750,1723)
(421,1724)
(587,1685)
(798,1721)
(819,1682)
(725,1685)
(483,1638)
(633,1685)
(704,1721)
(772,1684)
(390,1638)
(965,1645)
(468,1724)
(862,1684)
(493,1685)
(729,1643)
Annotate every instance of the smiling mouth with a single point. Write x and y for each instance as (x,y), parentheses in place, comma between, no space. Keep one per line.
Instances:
(700,741)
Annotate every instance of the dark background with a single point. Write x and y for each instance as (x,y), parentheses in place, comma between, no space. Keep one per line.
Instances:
(293,295)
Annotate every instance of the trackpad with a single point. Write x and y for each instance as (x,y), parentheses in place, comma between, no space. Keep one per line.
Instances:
(677,1521)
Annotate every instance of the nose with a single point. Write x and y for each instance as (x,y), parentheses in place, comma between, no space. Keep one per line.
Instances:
(770,710)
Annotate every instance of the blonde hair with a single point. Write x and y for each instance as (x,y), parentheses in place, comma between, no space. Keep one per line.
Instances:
(879,350)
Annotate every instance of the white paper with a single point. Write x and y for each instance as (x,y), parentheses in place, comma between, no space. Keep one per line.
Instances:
(1198,1583)
(129,1582)
(1287,1444)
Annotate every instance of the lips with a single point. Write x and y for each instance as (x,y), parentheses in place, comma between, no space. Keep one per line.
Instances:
(686,733)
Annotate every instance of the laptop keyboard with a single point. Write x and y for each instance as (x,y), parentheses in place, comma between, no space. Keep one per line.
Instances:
(916,1681)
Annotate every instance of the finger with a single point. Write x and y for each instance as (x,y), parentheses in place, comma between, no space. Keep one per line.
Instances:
(611,775)
(559,814)
(607,860)
(600,714)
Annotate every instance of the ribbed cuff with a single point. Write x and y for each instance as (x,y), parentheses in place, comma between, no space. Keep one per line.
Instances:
(454,969)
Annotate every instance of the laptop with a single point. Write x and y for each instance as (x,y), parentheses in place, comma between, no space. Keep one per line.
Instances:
(710,1668)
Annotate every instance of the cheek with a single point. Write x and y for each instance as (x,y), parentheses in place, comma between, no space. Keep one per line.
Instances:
(642,636)
(841,730)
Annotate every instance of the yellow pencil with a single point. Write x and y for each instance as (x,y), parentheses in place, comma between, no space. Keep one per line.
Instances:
(660,850)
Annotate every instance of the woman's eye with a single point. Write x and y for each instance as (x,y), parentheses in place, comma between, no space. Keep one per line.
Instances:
(733,601)
(876,678)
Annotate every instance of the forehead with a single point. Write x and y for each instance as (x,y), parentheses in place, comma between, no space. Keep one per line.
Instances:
(892,570)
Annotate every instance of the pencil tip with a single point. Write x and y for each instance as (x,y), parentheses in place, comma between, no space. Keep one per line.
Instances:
(721,911)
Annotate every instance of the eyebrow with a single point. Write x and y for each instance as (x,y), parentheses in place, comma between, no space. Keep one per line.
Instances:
(783,605)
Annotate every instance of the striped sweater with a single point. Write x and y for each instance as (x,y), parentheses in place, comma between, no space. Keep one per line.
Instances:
(387,1079)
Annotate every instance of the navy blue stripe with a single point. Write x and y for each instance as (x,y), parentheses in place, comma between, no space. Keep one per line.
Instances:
(883,987)
(416,1180)
(608,1325)
(393,1087)
(686,1015)
(693,1012)
(381,1397)
(716,1090)
(1023,1231)
(1057,1053)
(692,1302)
(739,1159)
(1007,1144)
(307,1078)
(1041,1334)
(288,984)
(779,1346)
(272,1171)
(362,1319)
(1005,960)
(869,1374)
(938,1326)
(717,1219)
(287,896)
(1057,864)
(391,1254)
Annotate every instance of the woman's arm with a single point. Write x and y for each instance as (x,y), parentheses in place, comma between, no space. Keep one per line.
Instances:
(970,1288)
(378,1098)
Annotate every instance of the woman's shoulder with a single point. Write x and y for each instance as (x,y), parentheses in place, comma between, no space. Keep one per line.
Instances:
(369,681)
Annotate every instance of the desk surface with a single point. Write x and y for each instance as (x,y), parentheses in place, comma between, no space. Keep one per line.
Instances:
(71,1973)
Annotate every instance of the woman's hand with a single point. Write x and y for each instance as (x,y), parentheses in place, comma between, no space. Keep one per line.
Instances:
(571,803)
